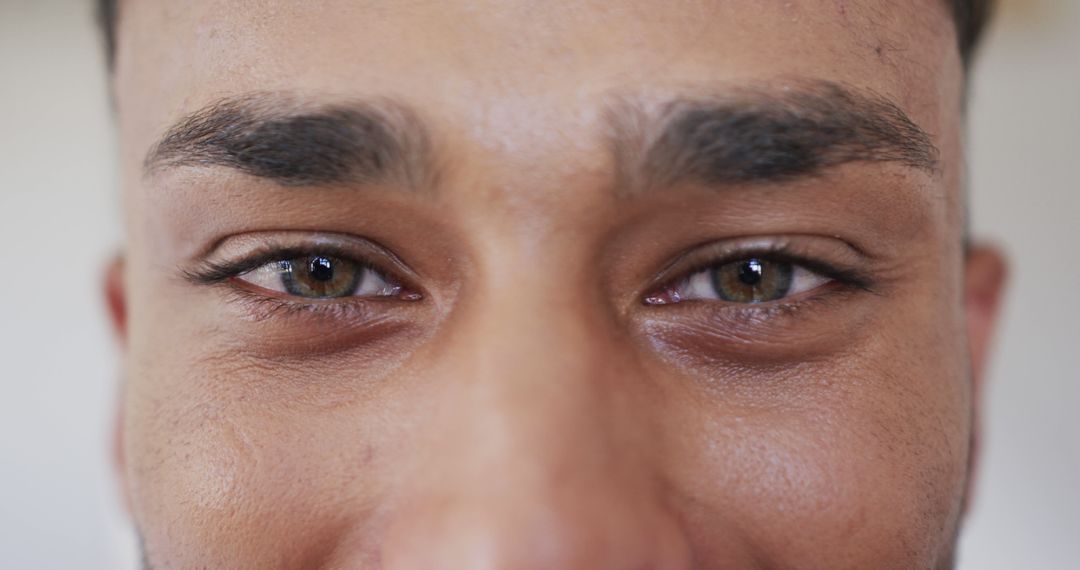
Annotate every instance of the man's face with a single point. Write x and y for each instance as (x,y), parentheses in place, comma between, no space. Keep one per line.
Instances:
(476,284)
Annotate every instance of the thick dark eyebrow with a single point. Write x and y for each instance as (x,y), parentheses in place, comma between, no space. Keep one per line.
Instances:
(295,143)
(761,136)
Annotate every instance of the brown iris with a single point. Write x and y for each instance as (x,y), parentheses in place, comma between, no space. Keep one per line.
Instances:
(321,277)
(752,280)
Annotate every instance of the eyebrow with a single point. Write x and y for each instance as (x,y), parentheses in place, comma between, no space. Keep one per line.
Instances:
(748,135)
(762,136)
(293,143)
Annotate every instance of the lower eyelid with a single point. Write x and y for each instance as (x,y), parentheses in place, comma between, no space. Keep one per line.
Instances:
(756,318)
(279,328)
(271,304)
(709,335)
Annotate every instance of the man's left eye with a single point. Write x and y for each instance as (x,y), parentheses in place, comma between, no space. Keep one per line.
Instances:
(320,277)
(748,281)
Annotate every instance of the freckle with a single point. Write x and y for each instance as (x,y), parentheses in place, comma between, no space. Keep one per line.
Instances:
(878,50)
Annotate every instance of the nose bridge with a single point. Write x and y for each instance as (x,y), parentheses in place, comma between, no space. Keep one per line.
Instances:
(536,463)
(532,342)
(531,365)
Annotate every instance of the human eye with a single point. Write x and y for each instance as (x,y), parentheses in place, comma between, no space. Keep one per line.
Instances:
(306,270)
(751,274)
(760,300)
(748,280)
(321,276)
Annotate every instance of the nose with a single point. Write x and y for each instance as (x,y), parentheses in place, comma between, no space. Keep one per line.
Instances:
(537,452)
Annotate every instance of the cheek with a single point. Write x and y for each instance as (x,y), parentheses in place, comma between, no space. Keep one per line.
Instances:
(228,466)
(251,454)
(850,462)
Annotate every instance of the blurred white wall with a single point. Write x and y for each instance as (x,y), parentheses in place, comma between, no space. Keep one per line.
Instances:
(59,217)
(1025,143)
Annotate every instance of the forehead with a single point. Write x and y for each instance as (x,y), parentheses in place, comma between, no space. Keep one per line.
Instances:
(517,74)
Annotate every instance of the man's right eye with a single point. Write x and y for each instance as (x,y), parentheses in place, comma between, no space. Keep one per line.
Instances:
(321,277)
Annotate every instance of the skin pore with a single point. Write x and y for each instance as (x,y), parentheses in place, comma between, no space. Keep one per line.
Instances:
(477,284)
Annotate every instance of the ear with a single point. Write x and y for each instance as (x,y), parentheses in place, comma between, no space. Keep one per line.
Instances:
(985,276)
(116,306)
(116,298)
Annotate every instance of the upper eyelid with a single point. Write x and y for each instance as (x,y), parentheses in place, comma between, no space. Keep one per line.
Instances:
(680,267)
(304,241)
(210,272)
(780,250)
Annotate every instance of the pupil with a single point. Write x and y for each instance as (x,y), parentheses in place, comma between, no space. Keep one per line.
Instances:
(751,272)
(321,269)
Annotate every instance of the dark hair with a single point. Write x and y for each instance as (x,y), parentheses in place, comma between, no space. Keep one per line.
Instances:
(970,17)
(107,19)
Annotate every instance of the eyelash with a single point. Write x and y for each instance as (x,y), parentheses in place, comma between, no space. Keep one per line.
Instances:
(213,272)
(262,307)
(265,305)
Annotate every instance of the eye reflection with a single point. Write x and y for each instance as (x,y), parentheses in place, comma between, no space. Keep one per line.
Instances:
(321,277)
(747,281)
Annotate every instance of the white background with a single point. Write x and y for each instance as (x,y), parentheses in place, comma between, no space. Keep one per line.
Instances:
(59,221)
